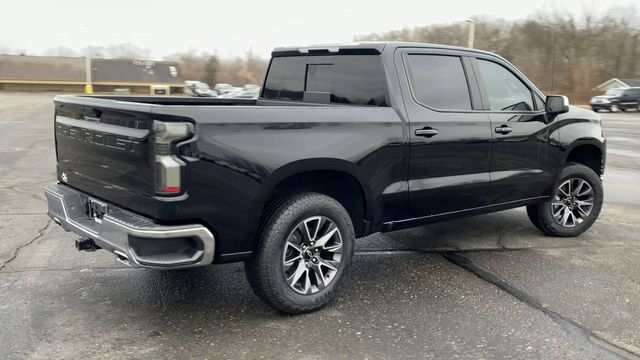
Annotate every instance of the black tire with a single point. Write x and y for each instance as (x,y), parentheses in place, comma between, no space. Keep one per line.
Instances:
(265,271)
(541,214)
(532,212)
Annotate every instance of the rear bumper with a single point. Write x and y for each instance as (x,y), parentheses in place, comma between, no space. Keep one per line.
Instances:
(134,239)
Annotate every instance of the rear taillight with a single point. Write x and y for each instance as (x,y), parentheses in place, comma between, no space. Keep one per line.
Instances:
(168,165)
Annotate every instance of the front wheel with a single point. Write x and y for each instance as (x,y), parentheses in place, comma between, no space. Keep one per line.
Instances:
(304,248)
(574,205)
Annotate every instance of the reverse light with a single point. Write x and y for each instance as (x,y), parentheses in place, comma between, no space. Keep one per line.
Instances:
(168,165)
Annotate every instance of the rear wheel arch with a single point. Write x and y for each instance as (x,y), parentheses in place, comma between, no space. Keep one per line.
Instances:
(338,182)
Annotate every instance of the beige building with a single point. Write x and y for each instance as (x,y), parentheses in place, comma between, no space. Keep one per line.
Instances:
(67,74)
(614,83)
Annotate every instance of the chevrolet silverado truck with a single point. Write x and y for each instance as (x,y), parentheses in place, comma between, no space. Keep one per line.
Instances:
(344,141)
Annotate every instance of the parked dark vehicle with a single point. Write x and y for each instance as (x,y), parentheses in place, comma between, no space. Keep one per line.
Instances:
(344,141)
(620,99)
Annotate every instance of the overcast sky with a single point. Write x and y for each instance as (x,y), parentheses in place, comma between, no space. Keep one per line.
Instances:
(233,26)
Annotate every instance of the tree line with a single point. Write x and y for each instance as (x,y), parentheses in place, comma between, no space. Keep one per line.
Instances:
(560,52)
(213,69)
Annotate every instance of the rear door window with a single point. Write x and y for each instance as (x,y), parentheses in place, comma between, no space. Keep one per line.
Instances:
(439,81)
(340,79)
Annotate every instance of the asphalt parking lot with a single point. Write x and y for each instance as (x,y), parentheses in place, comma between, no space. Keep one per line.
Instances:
(483,287)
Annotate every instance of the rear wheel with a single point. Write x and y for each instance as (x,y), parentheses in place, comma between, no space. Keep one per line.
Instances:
(305,247)
(574,206)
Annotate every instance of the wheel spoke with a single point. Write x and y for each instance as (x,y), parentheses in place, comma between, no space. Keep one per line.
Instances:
(562,190)
(333,248)
(292,261)
(583,213)
(300,270)
(320,280)
(565,216)
(586,192)
(289,261)
(323,240)
(558,213)
(312,226)
(307,282)
(584,203)
(327,264)
(307,231)
(579,187)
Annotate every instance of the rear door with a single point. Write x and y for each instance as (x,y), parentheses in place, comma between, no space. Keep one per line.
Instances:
(630,98)
(519,133)
(449,133)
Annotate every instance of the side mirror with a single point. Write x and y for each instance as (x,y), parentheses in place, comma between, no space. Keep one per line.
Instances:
(556,104)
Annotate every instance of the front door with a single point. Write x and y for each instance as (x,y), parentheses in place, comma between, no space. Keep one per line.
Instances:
(520,134)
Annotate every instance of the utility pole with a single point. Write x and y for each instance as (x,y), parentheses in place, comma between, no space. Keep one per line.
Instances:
(88,88)
(553,59)
(472,30)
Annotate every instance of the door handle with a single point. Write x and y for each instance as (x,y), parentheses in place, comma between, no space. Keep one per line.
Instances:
(426,132)
(504,129)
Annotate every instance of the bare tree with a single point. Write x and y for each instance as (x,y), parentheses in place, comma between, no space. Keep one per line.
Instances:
(559,51)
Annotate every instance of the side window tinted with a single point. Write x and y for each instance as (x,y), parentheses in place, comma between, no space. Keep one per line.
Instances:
(505,91)
(439,81)
(344,79)
(286,78)
(350,79)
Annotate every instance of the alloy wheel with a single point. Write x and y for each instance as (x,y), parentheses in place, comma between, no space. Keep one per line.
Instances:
(572,202)
(312,255)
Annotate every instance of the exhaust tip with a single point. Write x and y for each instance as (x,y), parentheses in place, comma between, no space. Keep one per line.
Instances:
(122,258)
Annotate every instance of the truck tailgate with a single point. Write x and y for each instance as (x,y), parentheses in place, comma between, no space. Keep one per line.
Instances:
(105,152)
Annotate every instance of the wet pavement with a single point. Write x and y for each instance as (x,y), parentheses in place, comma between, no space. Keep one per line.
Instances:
(489,286)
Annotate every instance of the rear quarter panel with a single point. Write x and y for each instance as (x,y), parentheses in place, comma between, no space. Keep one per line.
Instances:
(241,153)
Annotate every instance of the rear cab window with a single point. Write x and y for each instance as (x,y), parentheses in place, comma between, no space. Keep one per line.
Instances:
(335,79)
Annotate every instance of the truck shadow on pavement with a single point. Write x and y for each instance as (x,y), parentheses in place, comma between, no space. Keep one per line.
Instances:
(405,285)
(379,268)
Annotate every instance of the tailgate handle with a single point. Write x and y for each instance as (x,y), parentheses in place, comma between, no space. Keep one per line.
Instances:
(92,114)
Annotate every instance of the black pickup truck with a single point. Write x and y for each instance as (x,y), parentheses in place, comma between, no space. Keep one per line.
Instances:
(344,141)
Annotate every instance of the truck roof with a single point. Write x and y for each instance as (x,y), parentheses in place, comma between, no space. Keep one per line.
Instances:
(366,47)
